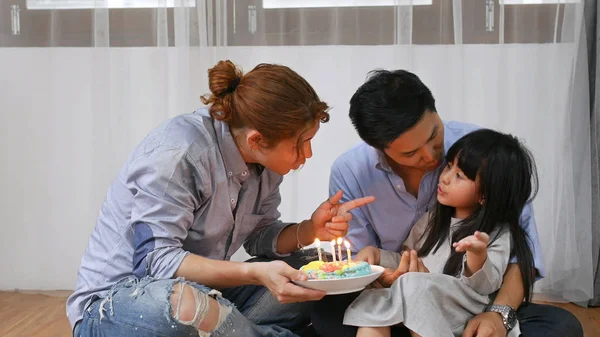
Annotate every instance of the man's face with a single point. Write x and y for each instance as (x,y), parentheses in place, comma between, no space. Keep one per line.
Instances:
(422,147)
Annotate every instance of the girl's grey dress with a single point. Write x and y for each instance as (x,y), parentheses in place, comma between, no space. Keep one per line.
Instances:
(433,304)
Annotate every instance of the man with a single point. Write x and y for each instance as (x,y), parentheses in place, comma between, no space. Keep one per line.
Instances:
(399,163)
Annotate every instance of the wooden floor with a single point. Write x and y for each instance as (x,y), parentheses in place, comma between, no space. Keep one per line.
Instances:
(43,314)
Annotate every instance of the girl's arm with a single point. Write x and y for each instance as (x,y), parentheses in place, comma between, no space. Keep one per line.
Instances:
(484,264)
(476,251)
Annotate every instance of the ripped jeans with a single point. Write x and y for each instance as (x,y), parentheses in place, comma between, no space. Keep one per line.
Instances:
(142,307)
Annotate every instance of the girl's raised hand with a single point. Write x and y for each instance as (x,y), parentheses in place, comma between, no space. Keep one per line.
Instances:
(476,243)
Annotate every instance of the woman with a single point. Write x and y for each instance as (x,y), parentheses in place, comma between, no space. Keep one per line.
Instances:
(197,188)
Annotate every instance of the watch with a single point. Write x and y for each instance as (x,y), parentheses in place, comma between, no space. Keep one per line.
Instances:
(509,315)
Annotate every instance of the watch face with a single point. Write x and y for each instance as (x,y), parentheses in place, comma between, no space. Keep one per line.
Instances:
(512,318)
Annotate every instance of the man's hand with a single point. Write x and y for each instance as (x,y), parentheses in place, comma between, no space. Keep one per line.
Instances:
(408,263)
(331,219)
(487,324)
(369,254)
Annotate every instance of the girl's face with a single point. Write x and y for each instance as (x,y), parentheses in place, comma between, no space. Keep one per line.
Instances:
(456,190)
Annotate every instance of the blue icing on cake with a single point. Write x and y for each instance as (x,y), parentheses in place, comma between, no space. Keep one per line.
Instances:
(319,270)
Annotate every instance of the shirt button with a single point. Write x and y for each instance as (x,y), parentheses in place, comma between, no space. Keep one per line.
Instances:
(230,173)
(399,187)
(244,173)
(233,201)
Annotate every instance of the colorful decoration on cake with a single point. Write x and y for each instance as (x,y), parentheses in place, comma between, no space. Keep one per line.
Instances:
(319,270)
(338,268)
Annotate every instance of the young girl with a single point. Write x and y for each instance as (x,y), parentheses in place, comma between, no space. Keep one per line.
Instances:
(465,242)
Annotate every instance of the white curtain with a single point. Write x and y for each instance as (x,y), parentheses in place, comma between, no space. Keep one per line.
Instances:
(81,87)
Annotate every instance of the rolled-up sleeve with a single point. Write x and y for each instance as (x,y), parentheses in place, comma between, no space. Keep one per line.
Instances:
(166,185)
(263,239)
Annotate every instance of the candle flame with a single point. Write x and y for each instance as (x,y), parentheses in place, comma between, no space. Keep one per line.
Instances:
(339,241)
(317,242)
(347,244)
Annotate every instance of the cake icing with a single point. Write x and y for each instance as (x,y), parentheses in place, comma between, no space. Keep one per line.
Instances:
(319,270)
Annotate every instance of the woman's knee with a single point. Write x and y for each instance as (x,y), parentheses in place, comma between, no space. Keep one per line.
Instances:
(190,306)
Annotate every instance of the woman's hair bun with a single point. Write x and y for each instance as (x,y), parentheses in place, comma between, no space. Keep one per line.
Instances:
(223,78)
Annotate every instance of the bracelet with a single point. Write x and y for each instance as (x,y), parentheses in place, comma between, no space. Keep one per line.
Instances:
(299,245)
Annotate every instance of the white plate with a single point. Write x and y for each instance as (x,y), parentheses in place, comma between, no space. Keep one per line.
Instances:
(343,285)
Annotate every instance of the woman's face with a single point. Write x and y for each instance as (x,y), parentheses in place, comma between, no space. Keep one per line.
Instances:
(284,157)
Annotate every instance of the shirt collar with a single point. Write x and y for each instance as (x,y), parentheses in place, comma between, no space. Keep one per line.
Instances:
(234,163)
(382,163)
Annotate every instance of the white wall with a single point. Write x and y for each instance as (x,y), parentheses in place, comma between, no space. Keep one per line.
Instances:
(69,118)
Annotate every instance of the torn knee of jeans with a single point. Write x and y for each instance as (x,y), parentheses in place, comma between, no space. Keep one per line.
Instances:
(189,306)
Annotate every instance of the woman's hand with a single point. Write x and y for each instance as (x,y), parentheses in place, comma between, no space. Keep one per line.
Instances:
(408,263)
(277,275)
(369,254)
(331,219)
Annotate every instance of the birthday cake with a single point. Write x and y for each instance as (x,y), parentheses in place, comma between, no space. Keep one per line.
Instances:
(319,270)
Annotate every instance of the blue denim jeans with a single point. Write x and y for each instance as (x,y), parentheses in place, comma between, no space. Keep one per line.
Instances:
(137,307)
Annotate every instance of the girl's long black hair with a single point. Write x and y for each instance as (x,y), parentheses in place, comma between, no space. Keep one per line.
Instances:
(508,181)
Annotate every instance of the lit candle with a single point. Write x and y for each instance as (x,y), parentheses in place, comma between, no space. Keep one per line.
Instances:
(333,249)
(318,244)
(348,251)
(339,242)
